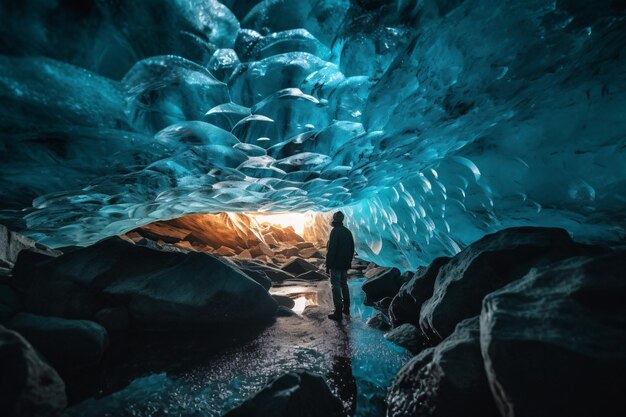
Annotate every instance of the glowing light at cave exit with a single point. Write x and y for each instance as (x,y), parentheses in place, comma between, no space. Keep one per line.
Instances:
(296,220)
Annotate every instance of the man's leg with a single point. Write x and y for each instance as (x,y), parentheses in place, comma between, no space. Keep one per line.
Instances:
(345,292)
(335,284)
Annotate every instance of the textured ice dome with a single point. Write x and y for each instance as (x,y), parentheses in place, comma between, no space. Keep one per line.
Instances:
(429,122)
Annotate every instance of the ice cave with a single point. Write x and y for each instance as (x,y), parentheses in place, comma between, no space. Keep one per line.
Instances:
(316,208)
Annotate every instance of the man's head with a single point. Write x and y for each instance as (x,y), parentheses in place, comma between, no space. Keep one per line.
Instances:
(338,217)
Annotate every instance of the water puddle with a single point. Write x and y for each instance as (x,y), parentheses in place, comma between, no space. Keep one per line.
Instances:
(206,375)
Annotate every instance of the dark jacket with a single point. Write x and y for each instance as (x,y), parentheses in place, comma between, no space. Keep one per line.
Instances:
(340,248)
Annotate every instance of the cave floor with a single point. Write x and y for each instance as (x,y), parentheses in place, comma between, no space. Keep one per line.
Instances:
(208,374)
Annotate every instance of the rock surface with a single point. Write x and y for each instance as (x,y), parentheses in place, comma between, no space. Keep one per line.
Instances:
(407,336)
(486,265)
(11,244)
(379,321)
(448,380)
(28,385)
(298,266)
(9,302)
(385,283)
(553,342)
(405,306)
(294,394)
(67,344)
(160,289)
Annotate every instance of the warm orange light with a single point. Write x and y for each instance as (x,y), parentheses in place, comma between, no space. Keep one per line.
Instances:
(295,220)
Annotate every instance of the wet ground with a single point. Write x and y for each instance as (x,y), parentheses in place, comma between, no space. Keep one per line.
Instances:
(208,374)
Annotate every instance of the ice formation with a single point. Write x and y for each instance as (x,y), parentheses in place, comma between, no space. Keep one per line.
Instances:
(430,122)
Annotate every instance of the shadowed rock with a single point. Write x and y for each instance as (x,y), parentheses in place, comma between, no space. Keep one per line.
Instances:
(65,343)
(28,385)
(486,265)
(298,266)
(405,307)
(448,380)
(385,283)
(553,342)
(160,289)
(294,394)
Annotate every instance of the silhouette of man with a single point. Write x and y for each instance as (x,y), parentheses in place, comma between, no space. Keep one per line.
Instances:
(338,260)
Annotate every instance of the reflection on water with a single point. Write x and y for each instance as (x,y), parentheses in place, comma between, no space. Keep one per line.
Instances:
(206,375)
(375,360)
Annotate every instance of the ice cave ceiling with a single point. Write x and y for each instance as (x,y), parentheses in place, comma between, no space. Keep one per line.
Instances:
(430,122)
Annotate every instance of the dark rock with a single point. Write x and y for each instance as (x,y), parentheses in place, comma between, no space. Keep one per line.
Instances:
(283,311)
(383,304)
(160,289)
(283,300)
(384,284)
(486,265)
(405,306)
(553,342)
(407,336)
(28,385)
(274,274)
(9,302)
(379,321)
(298,266)
(23,272)
(448,380)
(113,319)
(259,276)
(312,276)
(65,343)
(301,394)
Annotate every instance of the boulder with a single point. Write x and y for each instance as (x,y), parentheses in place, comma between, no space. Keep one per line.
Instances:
(553,342)
(300,393)
(283,311)
(261,249)
(448,380)
(67,344)
(244,254)
(159,289)
(487,265)
(28,385)
(405,306)
(10,302)
(289,252)
(312,276)
(311,253)
(224,251)
(304,245)
(407,336)
(298,266)
(283,300)
(385,283)
(113,319)
(379,321)
(383,305)
(274,274)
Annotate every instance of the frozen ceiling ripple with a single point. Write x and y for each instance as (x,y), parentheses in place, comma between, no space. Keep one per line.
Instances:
(429,122)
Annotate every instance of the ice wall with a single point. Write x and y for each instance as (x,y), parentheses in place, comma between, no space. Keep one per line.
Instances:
(430,122)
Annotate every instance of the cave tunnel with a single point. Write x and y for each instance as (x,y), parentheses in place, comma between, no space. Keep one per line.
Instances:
(173,173)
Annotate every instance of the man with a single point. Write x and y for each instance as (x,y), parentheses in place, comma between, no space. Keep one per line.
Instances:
(338,260)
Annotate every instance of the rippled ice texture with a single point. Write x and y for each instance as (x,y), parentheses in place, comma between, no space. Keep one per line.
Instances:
(431,122)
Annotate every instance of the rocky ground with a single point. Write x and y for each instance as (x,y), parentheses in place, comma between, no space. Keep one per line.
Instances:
(523,322)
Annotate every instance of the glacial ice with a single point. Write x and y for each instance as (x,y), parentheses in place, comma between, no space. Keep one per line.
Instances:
(430,123)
